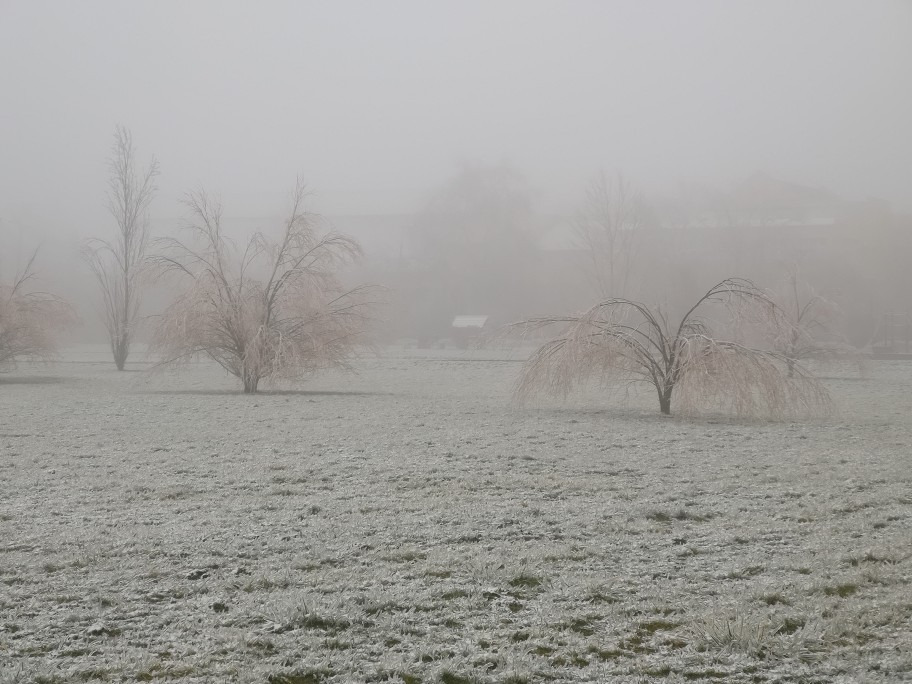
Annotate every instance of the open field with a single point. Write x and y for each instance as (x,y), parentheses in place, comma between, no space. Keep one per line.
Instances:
(409,524)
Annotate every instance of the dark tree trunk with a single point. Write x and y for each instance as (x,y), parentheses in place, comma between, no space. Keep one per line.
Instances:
(665,400)
(121,351)
(250,384)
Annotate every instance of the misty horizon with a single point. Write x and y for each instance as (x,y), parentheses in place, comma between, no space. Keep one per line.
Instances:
(374,105)
(380,108)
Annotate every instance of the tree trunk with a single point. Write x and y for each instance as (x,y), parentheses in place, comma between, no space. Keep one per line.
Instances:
(665,400)
(121,351)
(250,384)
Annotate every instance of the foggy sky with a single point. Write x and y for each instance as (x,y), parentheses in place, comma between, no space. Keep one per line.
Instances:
(374,103)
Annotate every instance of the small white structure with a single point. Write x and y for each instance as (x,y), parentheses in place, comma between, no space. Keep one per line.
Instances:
(466,327)
(470,322)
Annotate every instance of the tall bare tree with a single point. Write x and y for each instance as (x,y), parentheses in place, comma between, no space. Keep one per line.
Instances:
(30,320)
(119,263)
(276,310)
(606,225)
(620,340)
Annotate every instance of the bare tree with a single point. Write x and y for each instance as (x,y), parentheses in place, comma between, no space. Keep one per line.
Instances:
(606,225)
(811,327)
(626,341)
(276,310)
(119,264)
(30,320)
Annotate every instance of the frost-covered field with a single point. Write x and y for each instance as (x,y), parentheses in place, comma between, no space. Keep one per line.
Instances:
(408,524)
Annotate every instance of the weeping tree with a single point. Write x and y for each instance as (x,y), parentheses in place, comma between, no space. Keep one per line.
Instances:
(30,319)
(118,264)
(274,310)
(685,362)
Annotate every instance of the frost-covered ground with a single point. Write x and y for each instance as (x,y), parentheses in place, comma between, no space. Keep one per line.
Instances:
(408,524)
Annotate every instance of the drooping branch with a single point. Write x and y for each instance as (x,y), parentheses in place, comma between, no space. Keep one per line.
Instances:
(620,340)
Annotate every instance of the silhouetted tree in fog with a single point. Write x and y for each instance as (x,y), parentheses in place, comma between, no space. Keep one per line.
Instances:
(811,330)
(274,310)
(118,264)
(607,225)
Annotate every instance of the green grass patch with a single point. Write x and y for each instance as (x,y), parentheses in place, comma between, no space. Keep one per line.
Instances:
(584,626)
(702,675)
(790,625)
(304,677)
(775,598)
(454,594)
(606,654)
(524,581)
(653,626)
(841,590)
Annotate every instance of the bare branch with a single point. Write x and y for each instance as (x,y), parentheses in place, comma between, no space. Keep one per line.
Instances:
(30,320)
(606,226)
(120,264)
(809,328)
(274,310)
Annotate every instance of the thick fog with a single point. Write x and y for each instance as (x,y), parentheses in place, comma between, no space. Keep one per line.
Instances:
(455,341)
(385,109)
